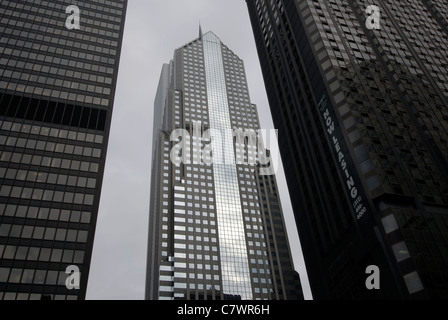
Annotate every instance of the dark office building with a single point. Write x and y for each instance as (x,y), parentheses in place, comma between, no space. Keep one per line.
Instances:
(361,105)
(216,227)
(57,86)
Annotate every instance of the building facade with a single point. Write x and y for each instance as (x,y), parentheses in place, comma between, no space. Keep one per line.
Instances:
(359,95)
(216,227)
(57,87)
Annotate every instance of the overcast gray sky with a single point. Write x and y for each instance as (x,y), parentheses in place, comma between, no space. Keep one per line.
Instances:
(154,29)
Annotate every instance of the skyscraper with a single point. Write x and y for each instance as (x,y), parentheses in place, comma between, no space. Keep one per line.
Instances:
(216,227)
(359,93)
(58,72)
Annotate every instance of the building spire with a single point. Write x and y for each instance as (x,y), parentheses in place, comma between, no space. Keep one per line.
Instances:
(200,30)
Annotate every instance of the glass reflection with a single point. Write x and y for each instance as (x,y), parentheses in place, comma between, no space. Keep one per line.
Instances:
(233,250)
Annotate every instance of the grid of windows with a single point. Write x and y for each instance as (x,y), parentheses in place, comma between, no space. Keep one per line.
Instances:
(410,58)
(389,91)
(41,213)
(38,56)
(195,95)
(404,155)
(56,96)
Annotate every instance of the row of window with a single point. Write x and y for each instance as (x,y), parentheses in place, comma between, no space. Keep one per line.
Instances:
(114,3)
(192,286)
(31,276)
(36,82)
(73,165)
(181,257)
(42,213)
(9,252)
(102,7)
(195,267)
(50,146)
(48,54)
(14,296)
(46,195)
(42,233)
(51,132)
(198,230)
(192,276)
(196,197)
(193,183)
(56,94)
(44,177)
(41,85)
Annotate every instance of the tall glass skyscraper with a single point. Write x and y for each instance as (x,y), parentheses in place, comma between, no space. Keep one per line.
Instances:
(359,94)
(57,86)
(216,226)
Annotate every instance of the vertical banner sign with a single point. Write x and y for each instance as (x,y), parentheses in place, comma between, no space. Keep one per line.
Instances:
(345,165)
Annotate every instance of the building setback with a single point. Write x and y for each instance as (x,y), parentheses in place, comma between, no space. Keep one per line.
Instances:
(57,87)
(216,229)
(363,131)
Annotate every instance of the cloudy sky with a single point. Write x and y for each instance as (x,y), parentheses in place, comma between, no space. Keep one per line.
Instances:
(154,29)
